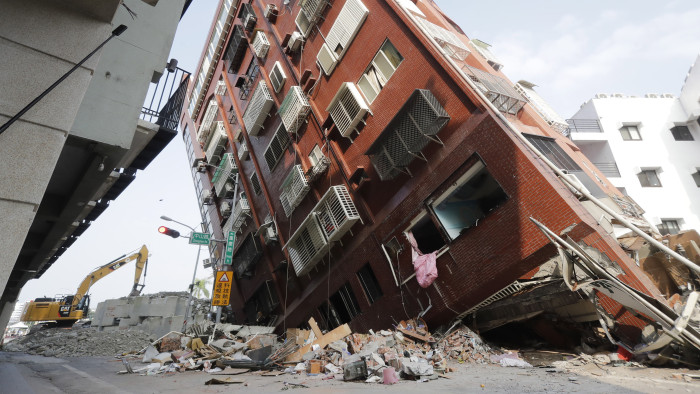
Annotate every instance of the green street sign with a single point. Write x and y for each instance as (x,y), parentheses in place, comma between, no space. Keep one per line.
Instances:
(199,239)
(228,257)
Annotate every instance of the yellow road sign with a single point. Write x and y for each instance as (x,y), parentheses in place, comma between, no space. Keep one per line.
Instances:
(222,288)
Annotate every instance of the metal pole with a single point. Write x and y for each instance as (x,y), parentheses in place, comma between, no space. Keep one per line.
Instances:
(189,298)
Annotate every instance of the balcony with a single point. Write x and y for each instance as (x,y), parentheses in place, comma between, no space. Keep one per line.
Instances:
(499,91)
(583,126)
(608,169)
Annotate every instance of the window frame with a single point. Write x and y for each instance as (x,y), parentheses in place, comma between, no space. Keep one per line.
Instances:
(646,172)
(667,226)
(367,269)
(557,155)
(681,132)
(381,54)
(630,137)
(255,183)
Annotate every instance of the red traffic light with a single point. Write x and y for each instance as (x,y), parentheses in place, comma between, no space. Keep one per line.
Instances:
(168,231)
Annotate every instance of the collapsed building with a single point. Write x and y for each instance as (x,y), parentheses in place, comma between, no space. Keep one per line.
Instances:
(375,164)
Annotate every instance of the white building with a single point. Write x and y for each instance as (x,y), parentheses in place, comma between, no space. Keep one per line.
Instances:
(649,147)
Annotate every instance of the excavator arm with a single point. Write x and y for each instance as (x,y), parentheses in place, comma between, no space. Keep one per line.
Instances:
(141,258)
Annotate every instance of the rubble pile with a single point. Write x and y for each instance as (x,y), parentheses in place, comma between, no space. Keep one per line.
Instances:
(75,342)
(408,352)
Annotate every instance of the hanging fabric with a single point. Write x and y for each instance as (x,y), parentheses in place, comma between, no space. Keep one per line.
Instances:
(423,264)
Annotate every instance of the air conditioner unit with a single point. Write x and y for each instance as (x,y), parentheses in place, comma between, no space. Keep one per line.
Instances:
(295,41)
(202,166)
(206,263)
(207,197)
(270,10)
(220,88)
(258,109)
(668,95)
(651,95)
(270,234)
(229,190)
(261,45)
(327,59)
(618,95)
(225,209)
(249,22)
(347,108)
(243,151)
(277,77)
(601,95)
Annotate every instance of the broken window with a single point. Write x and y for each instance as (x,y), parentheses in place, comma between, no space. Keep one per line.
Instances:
(427,235)
(261,304)
(682,133)
(247,256)
(471,198)
(630,133)
(548,147)
(341,308)
(369,283)
(669,226)
(385,62)
(649,178)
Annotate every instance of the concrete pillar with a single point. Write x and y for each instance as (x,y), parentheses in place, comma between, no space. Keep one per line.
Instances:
(5,314)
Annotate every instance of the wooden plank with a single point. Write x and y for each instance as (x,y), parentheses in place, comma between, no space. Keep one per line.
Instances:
(337,334)
(314,328)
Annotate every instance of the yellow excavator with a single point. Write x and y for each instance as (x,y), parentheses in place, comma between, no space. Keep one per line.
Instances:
(66,310)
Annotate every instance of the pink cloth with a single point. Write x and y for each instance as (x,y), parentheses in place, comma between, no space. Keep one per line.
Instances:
(424,264)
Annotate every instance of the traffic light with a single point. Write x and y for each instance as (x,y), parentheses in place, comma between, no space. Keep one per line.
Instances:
(168,231)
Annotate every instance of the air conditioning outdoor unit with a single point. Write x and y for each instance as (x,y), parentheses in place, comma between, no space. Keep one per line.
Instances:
(202,166)
(207,197)
(229,190)
(261,45)
(249,22)
(270,234)
(225,209)
(295,41)
(270,10)
(347,109)
(206,263)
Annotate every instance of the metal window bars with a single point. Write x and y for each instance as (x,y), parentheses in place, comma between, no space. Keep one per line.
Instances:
(293,189)
(497,90)
(294,109)
(258,109)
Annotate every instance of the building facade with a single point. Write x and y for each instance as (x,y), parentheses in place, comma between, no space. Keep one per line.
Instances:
(81,145)
(649,147)
(330,137)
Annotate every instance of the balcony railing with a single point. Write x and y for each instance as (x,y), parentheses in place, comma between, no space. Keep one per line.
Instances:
(583,126)
(610,169)
(499,91)
(163,104)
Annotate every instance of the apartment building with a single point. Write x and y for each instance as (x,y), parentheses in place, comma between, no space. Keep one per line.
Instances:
(82,144)
(330,137)
(648,147)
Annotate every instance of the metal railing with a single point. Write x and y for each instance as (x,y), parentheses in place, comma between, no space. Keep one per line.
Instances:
(583,126)
(164,102)
(609,169)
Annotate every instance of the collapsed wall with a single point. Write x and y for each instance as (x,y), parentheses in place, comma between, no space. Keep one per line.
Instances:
(157,314)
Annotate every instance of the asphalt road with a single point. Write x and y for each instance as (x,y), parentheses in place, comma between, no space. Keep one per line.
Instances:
(23,373)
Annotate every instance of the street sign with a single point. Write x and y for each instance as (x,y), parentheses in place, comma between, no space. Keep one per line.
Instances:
(228,257)
(222,288)
(199,238)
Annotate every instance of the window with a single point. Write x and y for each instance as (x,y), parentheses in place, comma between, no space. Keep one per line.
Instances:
(427,235)
(548,147)
(377,74)
(669,226)
(649,178)
(630,133)
(474,195)
(682,133)
(277,147)
(369,283)
(696,177)
(255,181)
(341,308)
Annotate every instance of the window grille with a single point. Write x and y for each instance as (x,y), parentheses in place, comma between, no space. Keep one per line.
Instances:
(247,256)
(258,108)
(483,49)
(294,109)
(240,213)
(347,108)
(204,133)
(309,14)
(293,189)
(220,88)
(499,91)
(449,42)
(277,77)
(223,172)
(549,148)
(260,44)
(217,143)
(275,150)
(412,128)
(255,182)
(236,49)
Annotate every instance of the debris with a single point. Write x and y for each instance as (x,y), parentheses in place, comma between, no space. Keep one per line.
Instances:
(355,370)
(390,376)
(149,354)
(223,381)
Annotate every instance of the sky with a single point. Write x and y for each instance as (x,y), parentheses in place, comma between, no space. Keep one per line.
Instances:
(571,50)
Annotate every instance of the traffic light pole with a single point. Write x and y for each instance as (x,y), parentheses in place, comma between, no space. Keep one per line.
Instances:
(188,310)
